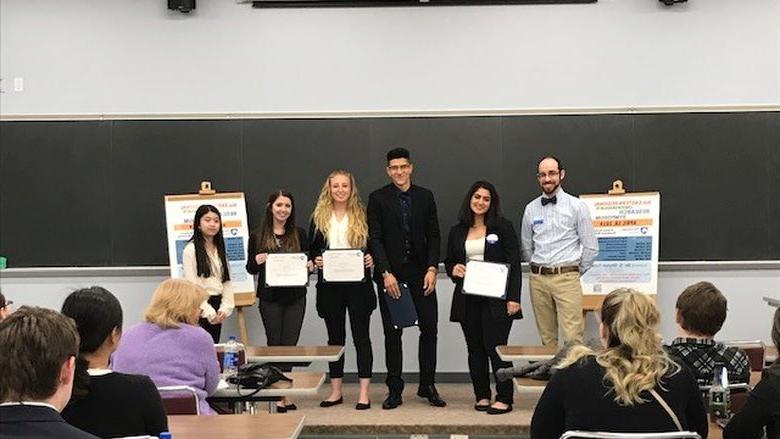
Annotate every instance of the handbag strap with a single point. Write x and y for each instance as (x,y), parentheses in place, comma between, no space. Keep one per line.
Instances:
(667,408)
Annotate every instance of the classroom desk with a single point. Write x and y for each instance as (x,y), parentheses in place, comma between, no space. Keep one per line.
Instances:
(290,354)
(258,426)
(304,383)
(526,353)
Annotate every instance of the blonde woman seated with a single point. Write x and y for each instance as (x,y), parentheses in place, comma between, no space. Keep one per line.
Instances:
(170,347)
(630,386)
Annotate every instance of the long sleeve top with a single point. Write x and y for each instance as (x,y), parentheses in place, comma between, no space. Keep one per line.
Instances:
(761,411)
(212,284)
(282,295)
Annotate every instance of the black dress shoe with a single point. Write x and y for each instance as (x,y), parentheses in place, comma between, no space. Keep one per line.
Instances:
(481,408)
(392,401)
(281,409)
(363,406)
(332,403)
(291,407)
(497,411)
(432,395)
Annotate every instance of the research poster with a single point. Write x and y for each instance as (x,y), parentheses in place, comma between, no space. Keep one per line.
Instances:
(627,229)
(179,214)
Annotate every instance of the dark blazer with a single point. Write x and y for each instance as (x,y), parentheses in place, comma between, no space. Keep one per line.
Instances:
(386,234)
(506,250)
(286,295)
(30,421)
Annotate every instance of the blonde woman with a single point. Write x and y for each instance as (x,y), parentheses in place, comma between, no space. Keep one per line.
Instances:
(338,222)
(625,387)
(170,347)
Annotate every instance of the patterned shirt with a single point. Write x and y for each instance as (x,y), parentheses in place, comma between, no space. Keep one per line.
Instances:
(701,355)
(559,234)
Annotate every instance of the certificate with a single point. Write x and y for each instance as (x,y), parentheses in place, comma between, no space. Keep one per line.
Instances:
(286,270)
(343,265)
(486,279)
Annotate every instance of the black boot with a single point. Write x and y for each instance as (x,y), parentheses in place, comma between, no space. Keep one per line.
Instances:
(432,395)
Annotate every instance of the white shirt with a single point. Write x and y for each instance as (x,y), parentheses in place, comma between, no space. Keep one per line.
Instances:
(213,284)
(337,232)
(35,403)
(475,249)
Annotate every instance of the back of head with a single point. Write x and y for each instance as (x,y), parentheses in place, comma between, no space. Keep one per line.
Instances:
(97,314)
(702,309)
(175,301)
(35,343)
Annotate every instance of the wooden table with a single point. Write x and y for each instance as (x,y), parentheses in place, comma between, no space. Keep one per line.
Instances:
(289,354)
(526,353)
(524,385)
(258,426)
(304,383)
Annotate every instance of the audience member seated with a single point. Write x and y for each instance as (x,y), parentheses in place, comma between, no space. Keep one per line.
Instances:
(701,311)
(625,387)
(38,363)
(170,347)
(5,307)
(761,413)
(107,403)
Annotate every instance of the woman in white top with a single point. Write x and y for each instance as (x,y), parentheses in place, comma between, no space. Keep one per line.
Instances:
(339,222)
(205,264)
(483,234)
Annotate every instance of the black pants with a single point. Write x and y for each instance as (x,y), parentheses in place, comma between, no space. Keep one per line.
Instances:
(428,319)
(282,324)
(358,300)
(483,333)
(214,330)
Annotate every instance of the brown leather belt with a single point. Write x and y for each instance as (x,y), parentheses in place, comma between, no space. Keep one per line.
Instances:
(538,269)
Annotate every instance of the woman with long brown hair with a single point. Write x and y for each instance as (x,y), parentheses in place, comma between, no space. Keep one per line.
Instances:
(630,386)
(339,222)
(281,308)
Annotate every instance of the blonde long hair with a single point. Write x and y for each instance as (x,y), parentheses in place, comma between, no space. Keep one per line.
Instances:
(634,359)
(357,234)
(174,302)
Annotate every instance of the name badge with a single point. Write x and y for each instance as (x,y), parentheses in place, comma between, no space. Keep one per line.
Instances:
(538,221)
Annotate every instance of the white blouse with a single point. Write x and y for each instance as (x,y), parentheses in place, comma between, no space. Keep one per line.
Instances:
(213,284)
(475,249)
(337,232)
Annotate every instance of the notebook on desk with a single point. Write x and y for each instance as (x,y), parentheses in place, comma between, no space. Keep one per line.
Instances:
(402,311)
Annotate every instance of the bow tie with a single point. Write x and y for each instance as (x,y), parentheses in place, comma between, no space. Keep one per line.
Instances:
(546,201)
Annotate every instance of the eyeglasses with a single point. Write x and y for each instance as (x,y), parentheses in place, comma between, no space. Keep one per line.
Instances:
(397,168)
(549,174)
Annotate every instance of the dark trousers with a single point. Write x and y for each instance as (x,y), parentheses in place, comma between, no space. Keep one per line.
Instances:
(282,324)
(342,299)
(214,330)
(483,333)
(428,319)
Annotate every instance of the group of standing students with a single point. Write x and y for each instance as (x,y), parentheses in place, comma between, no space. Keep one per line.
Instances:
(399,234)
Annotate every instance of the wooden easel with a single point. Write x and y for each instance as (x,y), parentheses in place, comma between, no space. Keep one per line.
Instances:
(241,299)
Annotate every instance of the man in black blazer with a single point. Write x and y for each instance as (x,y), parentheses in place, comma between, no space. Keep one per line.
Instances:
(404,239)
(38,363)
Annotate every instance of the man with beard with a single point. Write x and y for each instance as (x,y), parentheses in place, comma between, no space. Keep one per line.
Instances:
(559,243)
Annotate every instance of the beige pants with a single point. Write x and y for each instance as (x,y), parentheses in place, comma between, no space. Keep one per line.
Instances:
(557,302)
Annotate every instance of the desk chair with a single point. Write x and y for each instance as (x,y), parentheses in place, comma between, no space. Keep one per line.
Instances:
(754,349)
(604,435)
(179,400)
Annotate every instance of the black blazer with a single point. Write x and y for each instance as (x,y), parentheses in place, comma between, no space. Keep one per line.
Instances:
(285,295)
(506,250)
(386,234)
(36,422)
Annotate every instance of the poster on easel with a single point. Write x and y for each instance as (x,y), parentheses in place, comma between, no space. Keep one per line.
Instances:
(627,229)
(179,214)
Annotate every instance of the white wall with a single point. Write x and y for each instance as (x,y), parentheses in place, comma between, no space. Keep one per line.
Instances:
(749,316)
(114,56)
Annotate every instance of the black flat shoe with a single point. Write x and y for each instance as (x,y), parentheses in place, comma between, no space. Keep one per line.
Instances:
(281,409)
(481,408)
(291,407)
(332,403)
(362,406)
(391,402)
(496,411)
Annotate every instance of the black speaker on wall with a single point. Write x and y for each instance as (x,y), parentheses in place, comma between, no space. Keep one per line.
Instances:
(181,5)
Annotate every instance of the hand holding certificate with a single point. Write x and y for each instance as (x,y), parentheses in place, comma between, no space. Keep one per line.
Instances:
(343,265)
(286,270)
(487,279)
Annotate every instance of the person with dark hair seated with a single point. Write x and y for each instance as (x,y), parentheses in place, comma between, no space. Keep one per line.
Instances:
(761,413)
(632,385)
(107,403)
(701,311)
(38,362)
(5,307)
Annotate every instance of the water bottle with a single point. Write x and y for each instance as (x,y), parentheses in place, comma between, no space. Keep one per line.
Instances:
(230,359)
(720,401)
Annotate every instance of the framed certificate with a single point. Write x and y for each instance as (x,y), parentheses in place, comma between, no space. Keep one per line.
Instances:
(286,270)
(487,279)
(343,265)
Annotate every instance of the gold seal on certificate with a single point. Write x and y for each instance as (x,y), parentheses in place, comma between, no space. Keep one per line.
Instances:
(487,279)
(343,265)
(286,270)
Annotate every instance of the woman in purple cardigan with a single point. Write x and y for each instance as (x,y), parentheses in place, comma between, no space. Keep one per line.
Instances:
(170,347)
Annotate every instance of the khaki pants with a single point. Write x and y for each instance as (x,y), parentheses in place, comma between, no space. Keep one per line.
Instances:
(557,301)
